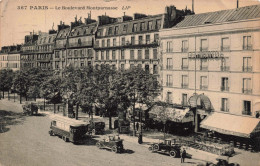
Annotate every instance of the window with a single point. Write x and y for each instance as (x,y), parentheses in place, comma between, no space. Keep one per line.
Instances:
(57,65)
(122,66)
(102,55)
(224,105)
(125,28)
(108,42)
(203,64)
(132,55)
(135,27)
(246,107)
(140,39)
(110,31)
(147,54)
(123,41)
(81,64)
(203,82)
(203,45)
(122,54)
(147,39)
(224,84)
(184,46)
(185,82)
(97,43)
(169,97)
(150,25)
(158,24)
(97,55)
(169,80)
(247,64)
(156,37)
(79,42)
(147,68)
(81,53)
(247,43)
(225,44)
(184,65)
(142,28)
(224,64)
(139,54)
(75,52)
(116,30)
(184,100)
(103,43)
(114,54)
(132,40)
(155,53)
(107,55)
(155,69)
(57,54)
(114,42)
(247,85)
(169,46)
(97,66)
(169,64)
(131,66)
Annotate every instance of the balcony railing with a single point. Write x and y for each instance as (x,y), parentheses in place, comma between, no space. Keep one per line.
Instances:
(247,68)
(169,84)
(184,86)
(225,48)
(224,88)
(247,47)
(203,87)
(246,113)
(246,90)
(203,49)
(128,44)
(204,68)
(184,49)
(224,68)
(169,67)
(184,67)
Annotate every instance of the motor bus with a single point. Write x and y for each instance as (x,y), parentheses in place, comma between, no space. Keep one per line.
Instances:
(70,130)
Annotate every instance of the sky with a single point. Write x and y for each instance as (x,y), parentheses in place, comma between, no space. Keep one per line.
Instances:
(15,22)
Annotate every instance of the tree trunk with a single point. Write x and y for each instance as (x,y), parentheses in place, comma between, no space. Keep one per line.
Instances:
(44,103)
(134,120)
(20,98)
(110,120)
(8,95)
(77,111)
(164,130)
(35,98)
(3,94)
(26,98)
(54,109)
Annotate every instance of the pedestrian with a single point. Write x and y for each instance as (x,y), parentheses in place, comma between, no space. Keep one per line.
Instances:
(183,155)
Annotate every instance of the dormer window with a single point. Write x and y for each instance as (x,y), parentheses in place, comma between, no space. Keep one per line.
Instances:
(79,41)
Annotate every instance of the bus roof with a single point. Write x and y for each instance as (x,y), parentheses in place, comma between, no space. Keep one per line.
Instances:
(69,121)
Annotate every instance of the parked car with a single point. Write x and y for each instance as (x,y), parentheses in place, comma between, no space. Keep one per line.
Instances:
(96,127)
(112,142)
(30,108)
(167,147)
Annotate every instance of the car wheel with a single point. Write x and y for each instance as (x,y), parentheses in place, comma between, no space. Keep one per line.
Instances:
(51,133)
(65,139)
(114,149)
(156,147)
(98,145)
(150,148)
(93,132)
(173,153)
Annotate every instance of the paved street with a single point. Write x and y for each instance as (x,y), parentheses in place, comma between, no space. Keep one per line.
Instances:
(28,143)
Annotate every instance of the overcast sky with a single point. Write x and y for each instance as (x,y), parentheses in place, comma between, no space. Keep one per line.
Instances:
(16,23)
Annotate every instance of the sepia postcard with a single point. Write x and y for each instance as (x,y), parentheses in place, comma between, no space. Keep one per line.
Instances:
(129,82)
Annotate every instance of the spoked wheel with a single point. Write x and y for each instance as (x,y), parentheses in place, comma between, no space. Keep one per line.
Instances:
(114,149)
(173,153)
(51,133)
(156,147)
(150,148)
(98,144)
(65,138)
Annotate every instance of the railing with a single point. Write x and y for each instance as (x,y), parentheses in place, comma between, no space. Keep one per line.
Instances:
(184,49)
(247,47)
(127,43)
(184,86)
(169,67)
(246,90)
(246,112)
(203,48)
(225,48)
(247,68)
(224,68)
(203,87)
(184,67)
(169,84)
(224,88)
(204,68)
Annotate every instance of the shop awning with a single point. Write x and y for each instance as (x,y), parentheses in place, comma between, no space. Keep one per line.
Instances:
(230,124)
(173,114)
(201,101)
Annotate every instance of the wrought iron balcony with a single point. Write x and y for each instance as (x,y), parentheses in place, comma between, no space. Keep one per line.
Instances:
(247,68)
(224,88)
(246,90)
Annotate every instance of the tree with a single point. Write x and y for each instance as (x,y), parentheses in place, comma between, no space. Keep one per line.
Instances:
(22,83)
(6,79)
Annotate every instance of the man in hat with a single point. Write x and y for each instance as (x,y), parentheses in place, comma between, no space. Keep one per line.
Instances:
(183,155)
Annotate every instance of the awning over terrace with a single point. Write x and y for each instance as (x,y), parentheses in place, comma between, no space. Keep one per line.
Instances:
(230,124)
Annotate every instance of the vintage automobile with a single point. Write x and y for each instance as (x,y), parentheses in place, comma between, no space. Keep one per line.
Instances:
(70,130)
(30,108)
(96,127)
(111,142)
(167,147)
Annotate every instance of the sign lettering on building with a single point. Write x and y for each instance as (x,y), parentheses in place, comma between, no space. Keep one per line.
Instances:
(205,55)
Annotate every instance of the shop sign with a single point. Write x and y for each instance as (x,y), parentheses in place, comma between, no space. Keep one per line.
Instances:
(205,55)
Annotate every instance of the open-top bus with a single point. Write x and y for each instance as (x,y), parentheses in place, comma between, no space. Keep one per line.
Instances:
(68,129)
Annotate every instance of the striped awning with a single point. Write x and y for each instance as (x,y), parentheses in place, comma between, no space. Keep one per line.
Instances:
(237,125)
(201,101)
